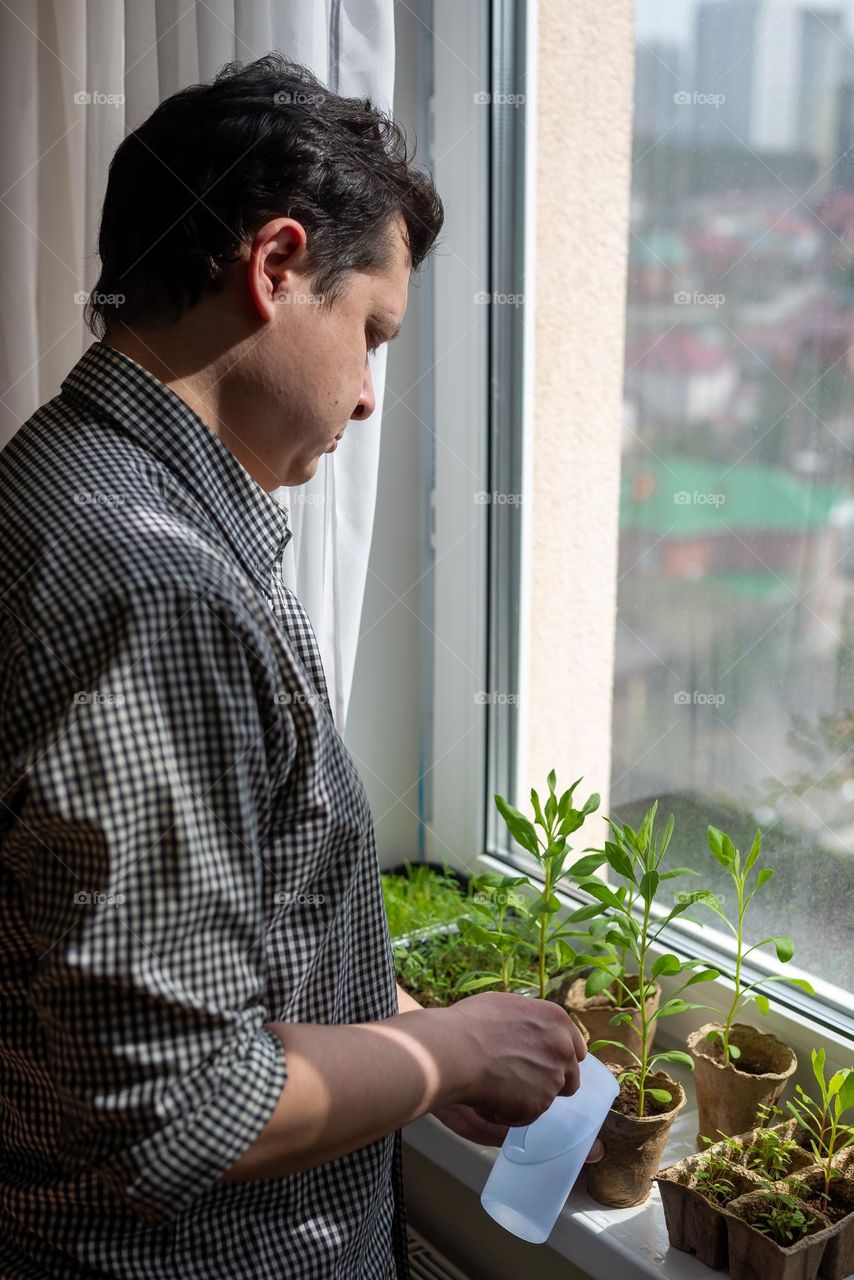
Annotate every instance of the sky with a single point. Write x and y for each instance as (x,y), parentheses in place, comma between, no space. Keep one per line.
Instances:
(674,19)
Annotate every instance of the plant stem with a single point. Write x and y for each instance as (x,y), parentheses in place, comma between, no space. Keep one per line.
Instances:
(502,951)
(644,1057)
(831,1145)
(625,998)
(738,957)
(547,893)
(543,926)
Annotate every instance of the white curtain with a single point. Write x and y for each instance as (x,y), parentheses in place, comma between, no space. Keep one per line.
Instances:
(54,154)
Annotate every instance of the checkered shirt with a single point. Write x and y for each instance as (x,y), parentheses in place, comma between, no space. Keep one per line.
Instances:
(186,853)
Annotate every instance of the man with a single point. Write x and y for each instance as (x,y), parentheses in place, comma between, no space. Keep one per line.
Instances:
(204,1059)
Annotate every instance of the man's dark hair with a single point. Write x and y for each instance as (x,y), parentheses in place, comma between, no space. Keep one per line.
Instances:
(215,161)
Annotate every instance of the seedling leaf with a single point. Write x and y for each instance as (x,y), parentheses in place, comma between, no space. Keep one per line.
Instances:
(660,1095)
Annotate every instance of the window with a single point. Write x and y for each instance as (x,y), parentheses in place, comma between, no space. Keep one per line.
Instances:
(734,684)
(733,699)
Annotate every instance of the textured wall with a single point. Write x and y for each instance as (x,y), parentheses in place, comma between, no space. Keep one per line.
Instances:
(585,52)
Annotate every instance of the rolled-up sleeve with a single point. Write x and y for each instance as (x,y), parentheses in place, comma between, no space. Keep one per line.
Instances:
(152,746)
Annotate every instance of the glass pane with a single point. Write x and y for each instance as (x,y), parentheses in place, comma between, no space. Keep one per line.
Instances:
(734,698)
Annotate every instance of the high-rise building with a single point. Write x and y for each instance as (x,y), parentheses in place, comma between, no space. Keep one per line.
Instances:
(776,79)
(725,34)
(843,172)
(825,63)
(658,67)
(777,66)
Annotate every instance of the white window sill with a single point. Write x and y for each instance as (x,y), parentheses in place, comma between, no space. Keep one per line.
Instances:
(629,1243)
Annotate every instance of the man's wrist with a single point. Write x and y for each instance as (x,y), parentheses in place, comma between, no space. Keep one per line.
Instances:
(453,1046)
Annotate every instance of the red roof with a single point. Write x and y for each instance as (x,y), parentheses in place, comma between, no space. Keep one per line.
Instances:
(837,211)
(678,352)
(709,242)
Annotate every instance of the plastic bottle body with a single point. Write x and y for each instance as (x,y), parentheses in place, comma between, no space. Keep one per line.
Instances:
(538,1163)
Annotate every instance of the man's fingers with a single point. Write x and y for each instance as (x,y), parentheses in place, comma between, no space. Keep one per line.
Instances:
(489,1133)
(596,1153)
(580,1043)
(571,1081)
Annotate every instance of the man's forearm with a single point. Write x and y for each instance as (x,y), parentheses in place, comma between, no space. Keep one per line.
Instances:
(349,1085)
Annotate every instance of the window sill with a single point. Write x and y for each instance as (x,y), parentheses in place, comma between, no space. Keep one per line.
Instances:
(630,1243)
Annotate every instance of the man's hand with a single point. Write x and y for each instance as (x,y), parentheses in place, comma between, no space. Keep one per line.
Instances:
(471,1122)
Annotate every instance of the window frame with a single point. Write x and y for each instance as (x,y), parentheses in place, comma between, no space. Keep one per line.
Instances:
(479,750)
(478,731)
(460,163)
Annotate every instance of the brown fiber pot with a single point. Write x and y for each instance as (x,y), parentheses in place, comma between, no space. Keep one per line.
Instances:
(633,1149)
(754,1256)
(596,1012)
(696,1224)
(838,1260)
(728,1099)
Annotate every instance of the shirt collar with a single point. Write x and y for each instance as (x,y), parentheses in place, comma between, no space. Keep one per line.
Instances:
(113,386)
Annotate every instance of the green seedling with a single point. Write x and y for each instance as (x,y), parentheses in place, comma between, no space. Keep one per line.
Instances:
(433,968)
(607,954)
(823,1120)
(710,1178)
(734,1146)
(557,820)
(423,970)
(635,858)
(770,1154)
(783,1220)
(746,887)
(500,923)
(421,897)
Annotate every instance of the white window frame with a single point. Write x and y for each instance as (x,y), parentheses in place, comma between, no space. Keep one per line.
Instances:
(460,164)
(461,827)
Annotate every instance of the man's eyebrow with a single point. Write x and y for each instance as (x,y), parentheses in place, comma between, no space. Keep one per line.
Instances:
(384,321)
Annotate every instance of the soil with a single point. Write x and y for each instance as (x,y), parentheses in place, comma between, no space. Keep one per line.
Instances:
(838,1204)
(626,1103)
(748,1065)
(832,1210)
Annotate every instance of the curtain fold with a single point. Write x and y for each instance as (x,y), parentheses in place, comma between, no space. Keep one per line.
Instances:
(54,153)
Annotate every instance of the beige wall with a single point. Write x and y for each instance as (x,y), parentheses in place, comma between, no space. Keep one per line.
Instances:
(585,53)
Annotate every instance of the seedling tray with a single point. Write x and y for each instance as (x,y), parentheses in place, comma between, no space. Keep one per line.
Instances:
(722,1238)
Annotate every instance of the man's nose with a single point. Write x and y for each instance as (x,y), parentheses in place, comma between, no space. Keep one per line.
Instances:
(367,401)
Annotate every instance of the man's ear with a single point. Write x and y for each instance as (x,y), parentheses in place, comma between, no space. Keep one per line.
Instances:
(277,257)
